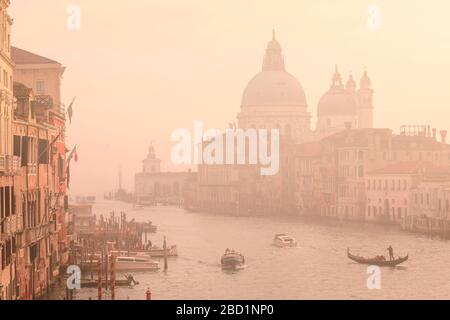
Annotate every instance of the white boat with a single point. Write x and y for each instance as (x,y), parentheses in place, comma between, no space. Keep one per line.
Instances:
(283,240)
(136,263)
(126,263)
(153,252)
(232,260)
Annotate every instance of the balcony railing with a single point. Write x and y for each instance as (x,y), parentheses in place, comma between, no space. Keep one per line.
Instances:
(13,164)
(35,233)
(9,165)
(2,163)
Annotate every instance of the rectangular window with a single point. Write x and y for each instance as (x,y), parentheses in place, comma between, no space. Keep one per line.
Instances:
(60,167)
(43,151)
(16,146)
(40,87)
(7,201)
(24,151)
(2,203)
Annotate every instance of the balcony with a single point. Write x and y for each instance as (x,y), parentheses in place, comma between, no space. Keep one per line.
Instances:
(13,165)
(35,233)
(9,165)
(54,227)
(2,163)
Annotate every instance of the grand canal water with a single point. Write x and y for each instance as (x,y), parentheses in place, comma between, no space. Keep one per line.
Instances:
(319,269)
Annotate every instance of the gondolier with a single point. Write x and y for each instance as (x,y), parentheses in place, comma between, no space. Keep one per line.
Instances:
(391,253)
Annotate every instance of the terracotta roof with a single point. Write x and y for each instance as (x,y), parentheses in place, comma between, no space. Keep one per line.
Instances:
(20,56)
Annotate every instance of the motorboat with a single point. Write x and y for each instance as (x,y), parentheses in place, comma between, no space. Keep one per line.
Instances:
(282,240)
(232,260)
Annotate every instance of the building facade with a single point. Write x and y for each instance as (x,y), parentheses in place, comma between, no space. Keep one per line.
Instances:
(152,186)
(343,175)
(9,221)
(35,225)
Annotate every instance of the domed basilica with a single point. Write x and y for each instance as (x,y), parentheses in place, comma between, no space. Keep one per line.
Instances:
(275,99)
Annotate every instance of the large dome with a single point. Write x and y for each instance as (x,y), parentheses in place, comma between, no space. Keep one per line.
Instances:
(273,88)
(336,102)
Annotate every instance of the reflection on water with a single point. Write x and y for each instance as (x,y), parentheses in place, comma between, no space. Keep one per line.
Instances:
(317,269)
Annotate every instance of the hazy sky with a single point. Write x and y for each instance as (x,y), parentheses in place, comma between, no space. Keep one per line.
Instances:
(142,68)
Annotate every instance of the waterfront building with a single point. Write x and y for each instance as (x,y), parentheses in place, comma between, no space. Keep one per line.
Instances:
(404,188)
(8,162)
(332,174)
(152,186)
(35,225)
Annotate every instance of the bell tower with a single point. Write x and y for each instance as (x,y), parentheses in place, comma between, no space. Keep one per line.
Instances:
(365,102)
(151,164)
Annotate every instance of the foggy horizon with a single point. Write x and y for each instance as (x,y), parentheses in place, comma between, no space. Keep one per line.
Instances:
(158,59)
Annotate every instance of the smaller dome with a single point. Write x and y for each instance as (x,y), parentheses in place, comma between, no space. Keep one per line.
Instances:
(336,102)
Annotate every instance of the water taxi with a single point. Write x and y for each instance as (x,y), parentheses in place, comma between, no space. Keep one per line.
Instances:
(282,240)
(232,260)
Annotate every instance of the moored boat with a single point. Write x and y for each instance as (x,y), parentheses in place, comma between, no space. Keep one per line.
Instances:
(124,263)
(232,260)
(377,261)
(282,240)
(153,251)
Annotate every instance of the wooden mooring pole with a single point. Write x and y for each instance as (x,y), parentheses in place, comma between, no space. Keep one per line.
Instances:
(165,254)
(113,277)
(99,279)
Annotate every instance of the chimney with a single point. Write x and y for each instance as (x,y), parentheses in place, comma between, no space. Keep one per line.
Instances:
(348,125)
(434,133)
(443,136)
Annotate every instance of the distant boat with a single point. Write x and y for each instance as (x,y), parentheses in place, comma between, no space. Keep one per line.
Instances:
(282,240)
(377,261)
(232,260)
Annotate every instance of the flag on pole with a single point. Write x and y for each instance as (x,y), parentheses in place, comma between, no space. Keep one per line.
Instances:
(73,154)
(70,110)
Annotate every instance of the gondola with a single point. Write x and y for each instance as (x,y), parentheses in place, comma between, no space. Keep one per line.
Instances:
(376,261)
